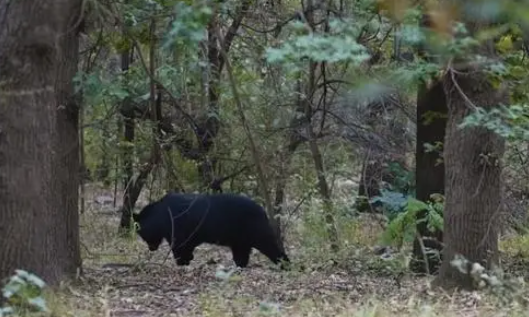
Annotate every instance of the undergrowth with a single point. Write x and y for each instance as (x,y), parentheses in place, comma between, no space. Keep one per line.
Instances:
(352,282)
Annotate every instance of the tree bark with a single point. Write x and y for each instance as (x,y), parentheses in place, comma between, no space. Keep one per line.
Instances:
(128,153)
(39,139)
(432,115)
(472,172)
(429,172)
(67,171)
(129,124)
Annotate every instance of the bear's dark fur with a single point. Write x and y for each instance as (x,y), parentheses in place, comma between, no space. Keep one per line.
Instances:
(222,219)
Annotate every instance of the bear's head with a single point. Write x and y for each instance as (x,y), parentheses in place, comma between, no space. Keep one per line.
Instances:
(146,227)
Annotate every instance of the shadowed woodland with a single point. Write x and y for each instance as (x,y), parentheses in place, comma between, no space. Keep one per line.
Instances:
(385,139)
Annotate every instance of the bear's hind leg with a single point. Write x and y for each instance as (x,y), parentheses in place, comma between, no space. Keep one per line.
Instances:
(241,255)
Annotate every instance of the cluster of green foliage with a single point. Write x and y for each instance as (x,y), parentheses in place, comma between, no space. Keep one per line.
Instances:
(23,294)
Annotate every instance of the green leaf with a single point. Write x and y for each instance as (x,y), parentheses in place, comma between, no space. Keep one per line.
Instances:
(415,205)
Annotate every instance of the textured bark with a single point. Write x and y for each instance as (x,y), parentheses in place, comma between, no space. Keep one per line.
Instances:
(66,169)
(129,124)
(431,125)
(38,161)
(472,173)
(131,186)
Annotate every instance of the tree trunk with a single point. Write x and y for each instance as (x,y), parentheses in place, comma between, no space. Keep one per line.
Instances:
(132,193)
(323,186)
(67,175)
(306,102)
(103,168)
(472,173)
(281,182)
(133,190)
(128,154)
(129,125)
(85,172)
(209,126)
(39,139)
(429,173)
(325,192)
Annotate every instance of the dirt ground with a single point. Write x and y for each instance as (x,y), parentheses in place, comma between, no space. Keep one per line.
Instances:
(150,283)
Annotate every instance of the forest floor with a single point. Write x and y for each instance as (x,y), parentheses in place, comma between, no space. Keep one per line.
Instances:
(157,287)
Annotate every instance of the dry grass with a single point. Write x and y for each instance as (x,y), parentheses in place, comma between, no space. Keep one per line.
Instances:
(358,286)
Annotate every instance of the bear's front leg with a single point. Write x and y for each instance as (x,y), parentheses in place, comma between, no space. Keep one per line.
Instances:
(183,256)
(241,255)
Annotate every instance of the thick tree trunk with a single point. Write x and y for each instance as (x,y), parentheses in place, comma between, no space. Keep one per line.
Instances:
(38,182)
(472,159)
(67,171)
(431,125)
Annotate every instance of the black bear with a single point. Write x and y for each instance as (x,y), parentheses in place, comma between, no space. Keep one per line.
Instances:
(229,220)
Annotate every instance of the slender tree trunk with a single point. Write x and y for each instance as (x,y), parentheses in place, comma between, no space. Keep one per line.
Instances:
(281,183)
(325,193)
(208,127)
(133,190)
(85,174)
(128,120)
(323,186)
(430,173)
(306,105)
(39,163)
(128,151)
(294,138)
(103,168)
(472,172)
(132,193)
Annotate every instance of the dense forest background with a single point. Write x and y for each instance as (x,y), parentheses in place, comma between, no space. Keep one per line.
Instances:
(387,141)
